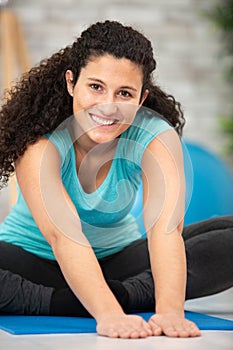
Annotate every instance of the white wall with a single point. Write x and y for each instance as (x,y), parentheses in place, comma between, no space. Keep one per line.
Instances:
(186,45)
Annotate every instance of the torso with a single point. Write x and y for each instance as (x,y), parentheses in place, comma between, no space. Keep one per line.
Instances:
(93,168)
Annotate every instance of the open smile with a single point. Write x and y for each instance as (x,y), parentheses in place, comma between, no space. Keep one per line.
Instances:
(100,121)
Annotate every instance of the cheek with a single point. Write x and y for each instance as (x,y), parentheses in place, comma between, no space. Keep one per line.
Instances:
(128,110)
(82,102)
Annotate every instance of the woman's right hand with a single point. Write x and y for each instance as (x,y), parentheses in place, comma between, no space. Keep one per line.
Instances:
(123,326)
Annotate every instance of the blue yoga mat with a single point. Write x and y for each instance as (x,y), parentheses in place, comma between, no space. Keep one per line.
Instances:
(55,324)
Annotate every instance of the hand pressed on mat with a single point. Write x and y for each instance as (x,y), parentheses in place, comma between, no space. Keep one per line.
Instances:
(173,325)
(124,326)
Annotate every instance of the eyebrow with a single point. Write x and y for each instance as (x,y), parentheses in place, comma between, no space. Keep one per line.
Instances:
(122,87)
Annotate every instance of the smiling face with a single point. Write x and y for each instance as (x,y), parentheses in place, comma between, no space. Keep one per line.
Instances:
(106,97)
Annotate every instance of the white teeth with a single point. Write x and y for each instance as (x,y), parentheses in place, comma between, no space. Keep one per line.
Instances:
(102,121)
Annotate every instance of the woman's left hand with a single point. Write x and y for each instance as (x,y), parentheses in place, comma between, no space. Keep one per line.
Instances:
(173,325)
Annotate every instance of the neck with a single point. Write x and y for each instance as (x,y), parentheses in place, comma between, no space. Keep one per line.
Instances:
(94,150)
(85,145)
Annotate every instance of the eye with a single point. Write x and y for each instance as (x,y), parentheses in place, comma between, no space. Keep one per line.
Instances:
(124,93)
(96,87)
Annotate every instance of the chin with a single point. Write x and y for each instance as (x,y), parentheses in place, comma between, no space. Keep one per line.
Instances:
(103,138)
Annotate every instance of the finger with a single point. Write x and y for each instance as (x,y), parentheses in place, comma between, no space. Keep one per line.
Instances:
(112,333)
(169,330)
(141,331)
(194,330)
(191,328)
(118,333)
(132,332)
(183,329)
(139,334)
(126,331)
(182,332)
(187,329)
(125,334)
(156,330)
(147,328)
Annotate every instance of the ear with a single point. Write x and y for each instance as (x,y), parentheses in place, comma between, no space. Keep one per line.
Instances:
(69,82)
(146,93)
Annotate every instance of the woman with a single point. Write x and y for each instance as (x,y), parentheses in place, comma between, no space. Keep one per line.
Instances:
(70,245)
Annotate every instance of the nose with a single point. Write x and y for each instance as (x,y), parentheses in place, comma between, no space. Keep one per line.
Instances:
(108,109)
(107,105)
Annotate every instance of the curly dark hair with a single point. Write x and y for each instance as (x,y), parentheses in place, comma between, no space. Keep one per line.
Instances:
(40,102)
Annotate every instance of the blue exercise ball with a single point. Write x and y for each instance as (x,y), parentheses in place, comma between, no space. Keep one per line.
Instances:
(209,186)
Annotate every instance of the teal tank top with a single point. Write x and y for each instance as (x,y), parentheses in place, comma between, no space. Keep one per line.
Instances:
(105,213)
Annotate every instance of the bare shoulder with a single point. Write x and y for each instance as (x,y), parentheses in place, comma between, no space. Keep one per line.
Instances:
(165,147)
(36,151)
(168,140)
(41,151)
(39,157)
(38,174)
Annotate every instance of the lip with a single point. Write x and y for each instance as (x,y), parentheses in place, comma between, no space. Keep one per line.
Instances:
(116,121)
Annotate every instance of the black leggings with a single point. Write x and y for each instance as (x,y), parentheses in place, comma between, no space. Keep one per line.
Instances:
(208,245)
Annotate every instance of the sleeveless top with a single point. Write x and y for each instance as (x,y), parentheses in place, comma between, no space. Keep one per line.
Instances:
(105,213)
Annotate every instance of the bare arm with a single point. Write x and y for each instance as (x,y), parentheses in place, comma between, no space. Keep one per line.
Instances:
(38,174)
(164,198)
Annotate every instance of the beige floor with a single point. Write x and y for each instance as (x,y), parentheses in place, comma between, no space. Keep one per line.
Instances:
(220,305)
